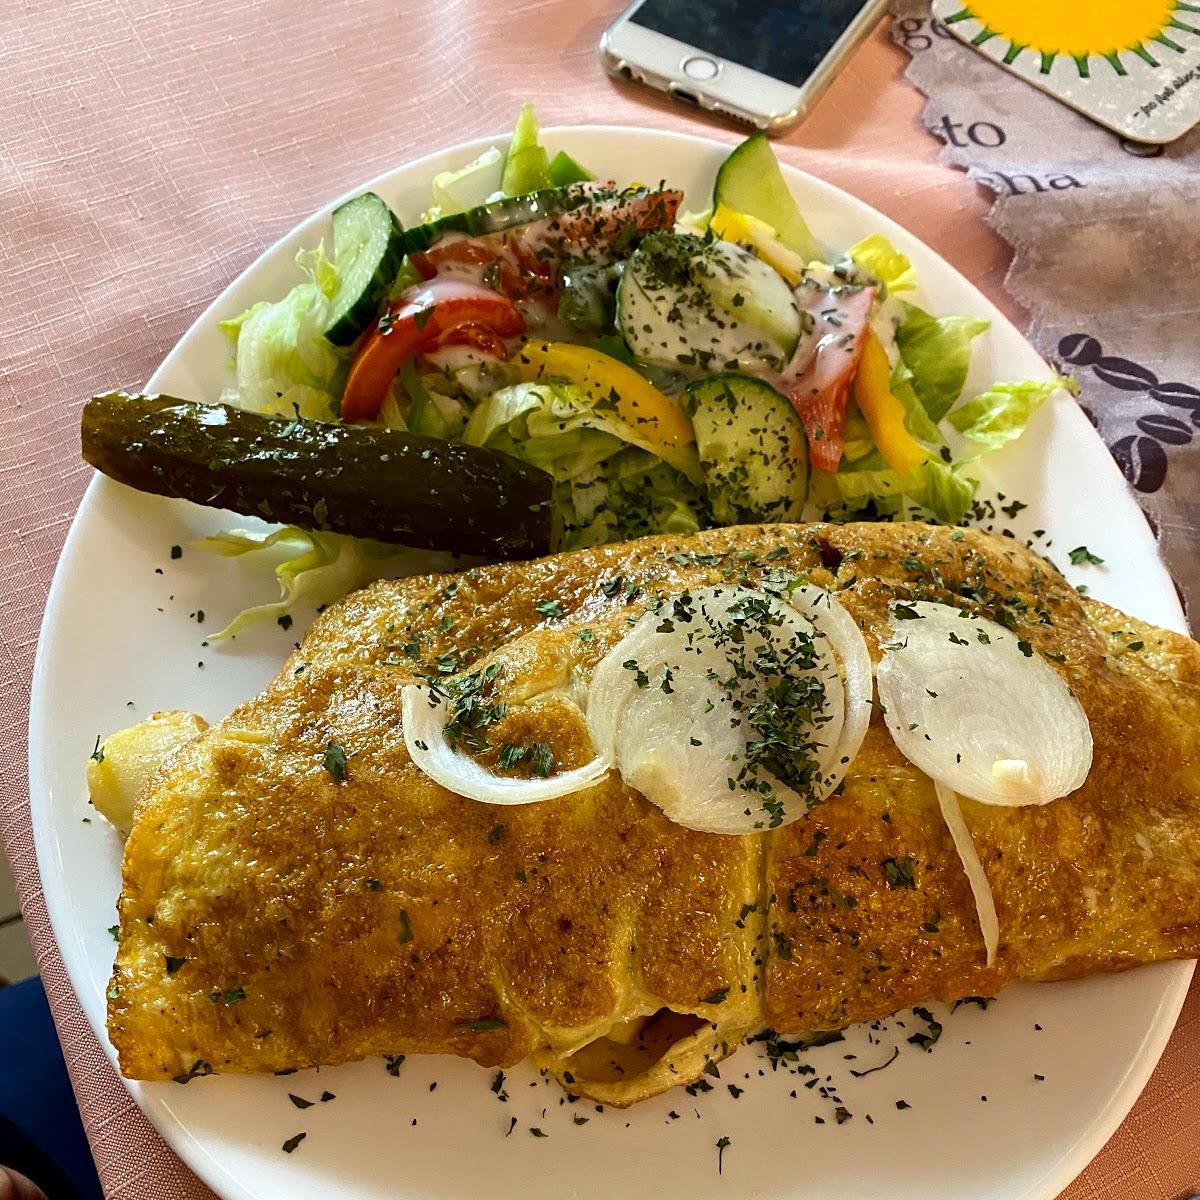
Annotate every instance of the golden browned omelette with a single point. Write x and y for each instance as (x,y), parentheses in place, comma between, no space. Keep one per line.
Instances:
(283,907)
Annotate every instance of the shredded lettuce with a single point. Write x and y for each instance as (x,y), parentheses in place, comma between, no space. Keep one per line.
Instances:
(526,165)
(945,490)
(940,488)
(609,475)
(323,568)
(916,420)
(879,258)
(564,170)
(284,364)
(469,186)
(551,425)
(631,495)
(937,352)
(857,441)
(1000,415)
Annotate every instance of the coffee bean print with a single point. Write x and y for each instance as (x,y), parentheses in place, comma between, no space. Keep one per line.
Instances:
(1171,430)
(1142,461)
(1182,395)
(1123,374)
(1079,349)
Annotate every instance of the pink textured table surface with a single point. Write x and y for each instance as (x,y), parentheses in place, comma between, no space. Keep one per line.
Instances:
(149,149)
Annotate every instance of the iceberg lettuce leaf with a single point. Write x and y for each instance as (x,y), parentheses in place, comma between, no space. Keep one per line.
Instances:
(467,187)
(937,352)
(916,419)
(939,488)
(322,568)
(284,364)
(526,164)
(880,259)
(1000,415)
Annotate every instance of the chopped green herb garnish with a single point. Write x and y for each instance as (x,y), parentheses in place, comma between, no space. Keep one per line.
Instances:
(1082,555)
(235,995)
(406,933)
(484,1024)
(97,754)
(928,1039)
(717,997)
(495,834)
(510,755)
(899,872)
(541,759)
(549,608)
(173,964)
(723,1144)
(198,1068)
(335,762)
(299,1101)
(293,1142)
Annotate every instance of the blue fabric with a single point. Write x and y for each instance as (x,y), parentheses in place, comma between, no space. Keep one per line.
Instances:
(40,1132)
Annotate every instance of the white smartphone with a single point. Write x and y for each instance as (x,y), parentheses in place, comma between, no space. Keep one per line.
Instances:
(761,62)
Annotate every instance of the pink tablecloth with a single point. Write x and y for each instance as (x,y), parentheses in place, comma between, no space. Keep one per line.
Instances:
(149,149)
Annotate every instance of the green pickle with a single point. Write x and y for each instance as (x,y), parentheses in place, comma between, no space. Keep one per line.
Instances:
(362,480)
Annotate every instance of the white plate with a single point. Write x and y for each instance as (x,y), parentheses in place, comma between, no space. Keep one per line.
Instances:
(121,640)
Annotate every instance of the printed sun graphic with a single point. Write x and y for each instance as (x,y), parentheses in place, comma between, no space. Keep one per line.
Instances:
(1083,29)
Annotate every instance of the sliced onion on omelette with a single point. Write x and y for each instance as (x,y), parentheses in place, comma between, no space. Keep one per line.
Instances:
(982,714)
(727,707)
(428,713)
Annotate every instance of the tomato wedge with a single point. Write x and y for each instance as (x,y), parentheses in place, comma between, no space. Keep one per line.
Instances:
(528,259)
(818,384)
(419,319)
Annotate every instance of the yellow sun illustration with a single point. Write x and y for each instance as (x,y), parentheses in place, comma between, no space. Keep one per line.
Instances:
(1080,29)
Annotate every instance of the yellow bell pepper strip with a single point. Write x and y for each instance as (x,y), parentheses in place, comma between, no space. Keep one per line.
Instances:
(883,412)
(760,237)
(658,419)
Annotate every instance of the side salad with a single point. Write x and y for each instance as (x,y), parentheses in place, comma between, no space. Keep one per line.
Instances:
(668,370)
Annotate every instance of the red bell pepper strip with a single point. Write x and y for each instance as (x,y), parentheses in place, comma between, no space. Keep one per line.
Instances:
(419,319)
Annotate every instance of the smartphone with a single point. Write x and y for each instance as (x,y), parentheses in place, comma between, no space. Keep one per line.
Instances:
(761,62)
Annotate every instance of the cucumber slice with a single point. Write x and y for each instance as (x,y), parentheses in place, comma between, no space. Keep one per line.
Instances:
(711,305)
(752,448)
(750,181)
(368,250)
(505,213)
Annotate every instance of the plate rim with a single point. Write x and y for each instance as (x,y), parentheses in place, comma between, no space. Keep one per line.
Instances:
(175,1133)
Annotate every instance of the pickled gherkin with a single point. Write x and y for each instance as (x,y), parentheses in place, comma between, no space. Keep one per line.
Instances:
(362,480)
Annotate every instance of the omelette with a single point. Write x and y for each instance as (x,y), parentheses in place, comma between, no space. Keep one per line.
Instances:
(298,892)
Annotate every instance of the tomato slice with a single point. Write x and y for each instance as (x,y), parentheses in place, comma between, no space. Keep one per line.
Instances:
(819,385)
(478,337)
(529,258)
(419,319)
